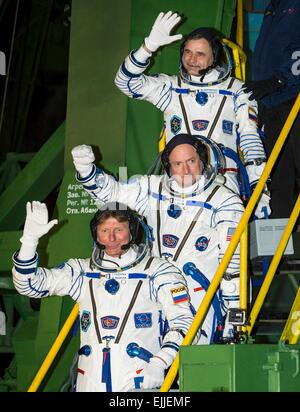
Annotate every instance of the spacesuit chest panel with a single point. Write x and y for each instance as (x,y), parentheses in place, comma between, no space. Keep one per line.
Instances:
(108,310)
(201,116)
(175,216)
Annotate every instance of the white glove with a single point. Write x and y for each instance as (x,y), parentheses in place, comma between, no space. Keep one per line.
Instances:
(154,373)
(254,172)
(36,225)
(154,370)
(263,207)
(83,158)
(160,32)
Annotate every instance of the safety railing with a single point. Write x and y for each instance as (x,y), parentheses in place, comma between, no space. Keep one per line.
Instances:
(199,317)
(273,267)
(54,350)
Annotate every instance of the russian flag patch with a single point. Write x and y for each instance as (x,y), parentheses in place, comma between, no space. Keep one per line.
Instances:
(179,294)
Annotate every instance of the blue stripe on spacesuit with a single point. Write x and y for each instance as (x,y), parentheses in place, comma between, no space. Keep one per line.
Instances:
(198,203)
(92,275)
(213,329)
(106,369)
(76,326)
(78,284)
(137,276)
(226,92)
(28,287)
(92,187)
(187,91)
(27,271)
(161,323)
(40,292)
(231,298)
(180,91)
(128,73)
(43,278)
(28,262)
(131,90)
(166,96)
(181,321)
(199,277)
(239,106)
(171,345)
(136,62)
(158,196)
(88,177)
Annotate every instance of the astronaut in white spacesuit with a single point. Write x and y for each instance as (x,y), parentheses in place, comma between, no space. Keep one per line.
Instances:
(203,99)
(191,216)
(134,308)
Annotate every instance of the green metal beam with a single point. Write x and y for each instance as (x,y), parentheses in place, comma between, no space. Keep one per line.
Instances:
(38,178)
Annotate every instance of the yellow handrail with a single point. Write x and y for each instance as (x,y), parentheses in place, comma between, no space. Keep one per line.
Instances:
(240,24)
(233,244)
(273,266)
(54,350)
(244,268)
(291,331)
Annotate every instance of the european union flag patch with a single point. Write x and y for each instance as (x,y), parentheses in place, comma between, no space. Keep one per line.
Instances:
(143,320)
(227,126)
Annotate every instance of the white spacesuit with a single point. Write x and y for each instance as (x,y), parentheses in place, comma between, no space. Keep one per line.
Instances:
(124,303)
(191,225)
(214,104)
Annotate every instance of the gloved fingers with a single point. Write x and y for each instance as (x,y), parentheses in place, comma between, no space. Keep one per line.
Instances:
(167,16)
(175,37)
(158,18)
(36,223)
(39,212)
(167,21)
(252,94)
(83,151)
(263,209)
(172,20)
(51,224)
(28,208)
(154,373)
(85,160)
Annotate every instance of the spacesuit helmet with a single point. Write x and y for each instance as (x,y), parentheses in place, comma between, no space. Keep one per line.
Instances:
(183,139)
(221,58)
(209,152)
(122,213)
(140,236)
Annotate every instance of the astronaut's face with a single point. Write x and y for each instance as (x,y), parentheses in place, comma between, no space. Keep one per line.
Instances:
(197,55)
(185,165)
(113,235)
